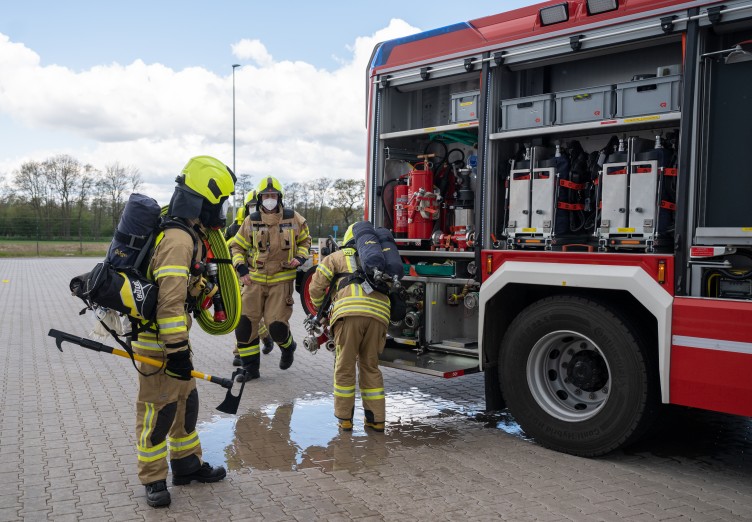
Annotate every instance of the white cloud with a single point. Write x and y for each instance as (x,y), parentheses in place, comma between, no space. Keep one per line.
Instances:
(252,50)
(292,119)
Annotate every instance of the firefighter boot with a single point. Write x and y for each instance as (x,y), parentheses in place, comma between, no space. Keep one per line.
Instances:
(206,473)
(251,366)
(346,424)
(157,494)
(288,356)
(268,345)
(371,423)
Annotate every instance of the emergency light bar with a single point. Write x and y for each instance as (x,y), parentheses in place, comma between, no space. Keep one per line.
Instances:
(601,6)
(554,14)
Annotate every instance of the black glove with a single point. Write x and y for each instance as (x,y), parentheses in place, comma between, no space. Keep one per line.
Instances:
(179,365)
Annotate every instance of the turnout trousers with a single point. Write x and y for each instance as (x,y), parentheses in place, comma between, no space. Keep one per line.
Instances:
(359,342)
(166,414)
(273,304)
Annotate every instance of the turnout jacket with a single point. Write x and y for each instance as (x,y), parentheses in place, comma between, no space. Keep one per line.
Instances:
(170,269)
(265,245)
(352,299)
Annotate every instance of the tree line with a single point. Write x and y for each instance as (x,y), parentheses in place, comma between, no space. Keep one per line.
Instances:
(63,198)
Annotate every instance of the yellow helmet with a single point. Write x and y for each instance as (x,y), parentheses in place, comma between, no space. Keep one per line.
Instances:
(348,237)
(209,178)
(269,185)
(204,186)
(250,198)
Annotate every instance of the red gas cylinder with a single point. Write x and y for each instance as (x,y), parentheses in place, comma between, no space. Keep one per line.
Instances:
(400,210)
(421,204)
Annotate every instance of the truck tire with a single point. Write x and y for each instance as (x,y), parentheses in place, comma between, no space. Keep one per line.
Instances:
(576,377)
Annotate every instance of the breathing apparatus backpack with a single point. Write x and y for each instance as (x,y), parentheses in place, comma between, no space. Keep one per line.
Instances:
(379,266)
(119,283)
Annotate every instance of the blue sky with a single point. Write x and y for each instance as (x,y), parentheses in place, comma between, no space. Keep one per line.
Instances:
(149,83)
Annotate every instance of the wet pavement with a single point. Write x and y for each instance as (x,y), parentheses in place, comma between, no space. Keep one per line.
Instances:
(67,449)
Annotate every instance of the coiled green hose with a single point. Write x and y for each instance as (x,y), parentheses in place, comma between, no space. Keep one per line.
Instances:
(229,286)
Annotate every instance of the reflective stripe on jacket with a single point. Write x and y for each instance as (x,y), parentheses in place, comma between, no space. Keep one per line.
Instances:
(169,267)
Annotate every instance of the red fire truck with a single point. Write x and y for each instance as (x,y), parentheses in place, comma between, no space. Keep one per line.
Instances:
(569,187)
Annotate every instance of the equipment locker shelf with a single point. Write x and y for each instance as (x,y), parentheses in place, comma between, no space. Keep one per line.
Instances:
(611,125)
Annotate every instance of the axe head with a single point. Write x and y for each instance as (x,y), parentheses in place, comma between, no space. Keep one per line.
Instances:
(231,402)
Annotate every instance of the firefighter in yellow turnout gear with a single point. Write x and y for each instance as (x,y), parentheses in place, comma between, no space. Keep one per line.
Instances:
(359,322)
(249,205)
(167,403)
(269,246)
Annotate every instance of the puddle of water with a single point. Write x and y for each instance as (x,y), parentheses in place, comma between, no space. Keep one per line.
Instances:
(304,433)
(502,420)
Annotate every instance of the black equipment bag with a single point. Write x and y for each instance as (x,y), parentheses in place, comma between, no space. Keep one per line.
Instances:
(135,234)
(392,260)
(122,291)
(368,246)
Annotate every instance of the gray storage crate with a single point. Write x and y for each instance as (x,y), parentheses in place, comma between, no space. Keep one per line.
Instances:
(531,111)
(464,106)
(648,96)
(589,104)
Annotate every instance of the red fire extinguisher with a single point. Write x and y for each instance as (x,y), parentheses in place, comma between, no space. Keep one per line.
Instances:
(421,202)
(400,210)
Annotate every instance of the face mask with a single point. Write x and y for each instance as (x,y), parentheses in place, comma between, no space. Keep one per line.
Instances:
(269,204)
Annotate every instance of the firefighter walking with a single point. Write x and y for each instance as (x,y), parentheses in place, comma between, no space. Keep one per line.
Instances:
(249,205)
(266,251)
(359,323)
(167,403)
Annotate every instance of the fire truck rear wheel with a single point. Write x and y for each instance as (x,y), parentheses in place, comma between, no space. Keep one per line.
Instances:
(576,376)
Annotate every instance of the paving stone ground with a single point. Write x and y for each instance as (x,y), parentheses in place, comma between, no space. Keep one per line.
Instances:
(67,443)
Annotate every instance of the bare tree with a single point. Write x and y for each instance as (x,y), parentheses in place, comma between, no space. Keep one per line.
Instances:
(321,195)
(99,203)
(243,185)
(85,182)
(306,191)
(33,185)
(347,198)
(292,194)
(115,181)
(63,173)
(134,178)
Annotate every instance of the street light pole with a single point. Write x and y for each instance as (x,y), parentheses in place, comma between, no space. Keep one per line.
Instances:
(234,66)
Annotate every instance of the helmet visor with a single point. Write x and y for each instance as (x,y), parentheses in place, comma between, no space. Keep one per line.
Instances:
(224,208)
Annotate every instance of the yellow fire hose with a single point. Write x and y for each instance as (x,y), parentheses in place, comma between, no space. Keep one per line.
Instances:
(229,286)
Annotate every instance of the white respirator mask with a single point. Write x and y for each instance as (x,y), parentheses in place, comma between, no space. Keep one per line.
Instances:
(269,204)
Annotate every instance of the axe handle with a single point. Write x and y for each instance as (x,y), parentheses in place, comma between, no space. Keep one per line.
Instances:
(99,347)
(225,383)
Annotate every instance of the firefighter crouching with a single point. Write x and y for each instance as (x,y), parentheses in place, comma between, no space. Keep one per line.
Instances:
(269,246)
(249,205)
(167,403)
(359,322)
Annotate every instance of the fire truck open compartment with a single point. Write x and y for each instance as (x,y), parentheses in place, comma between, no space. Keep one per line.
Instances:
(587,162)
(721,256)
(613,95)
